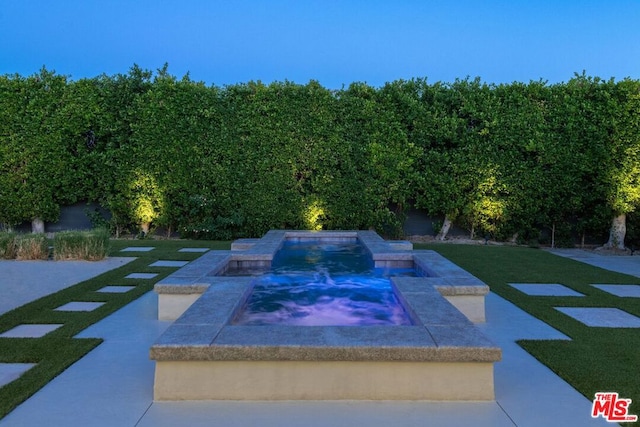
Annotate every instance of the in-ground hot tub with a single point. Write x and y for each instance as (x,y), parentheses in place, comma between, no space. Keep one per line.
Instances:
(438,355)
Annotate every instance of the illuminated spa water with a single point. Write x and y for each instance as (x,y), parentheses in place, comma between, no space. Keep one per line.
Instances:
(324,284)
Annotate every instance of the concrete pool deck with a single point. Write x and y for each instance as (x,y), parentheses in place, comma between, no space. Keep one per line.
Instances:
(113,384)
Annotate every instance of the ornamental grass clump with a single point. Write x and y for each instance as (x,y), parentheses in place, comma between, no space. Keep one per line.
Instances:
(32,247)
(7,245)
(81,245)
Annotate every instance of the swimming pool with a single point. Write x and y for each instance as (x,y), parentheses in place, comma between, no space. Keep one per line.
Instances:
(440,355)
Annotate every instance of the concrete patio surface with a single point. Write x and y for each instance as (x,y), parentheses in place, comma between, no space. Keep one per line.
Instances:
(113,385)
(24,281)
(626,264)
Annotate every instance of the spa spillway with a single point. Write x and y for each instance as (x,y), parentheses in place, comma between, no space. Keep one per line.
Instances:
(435,353)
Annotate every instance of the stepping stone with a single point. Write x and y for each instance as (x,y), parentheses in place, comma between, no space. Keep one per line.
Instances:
(602,317)
(30,331)
(169,264)
(545,290)
(193,250)
(115,289)
(141,276)
(80,306)
(137,249)
(12,371)
(624,291)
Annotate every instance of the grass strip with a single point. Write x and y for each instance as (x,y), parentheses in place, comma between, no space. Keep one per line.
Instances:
(58,350)
(597,359)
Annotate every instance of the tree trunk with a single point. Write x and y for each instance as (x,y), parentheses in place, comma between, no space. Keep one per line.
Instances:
(446,225)
(617,232)
(37,225)
(145,228)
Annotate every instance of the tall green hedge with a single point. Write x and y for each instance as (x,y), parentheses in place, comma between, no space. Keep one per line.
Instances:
(222,162)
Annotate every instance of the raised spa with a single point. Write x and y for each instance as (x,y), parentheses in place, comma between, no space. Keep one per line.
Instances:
(250,337)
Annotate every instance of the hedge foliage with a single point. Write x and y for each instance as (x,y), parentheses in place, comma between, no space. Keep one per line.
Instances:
(238,160)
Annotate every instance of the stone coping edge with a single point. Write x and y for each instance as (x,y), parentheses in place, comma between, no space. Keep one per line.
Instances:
(165,353)
(440,333)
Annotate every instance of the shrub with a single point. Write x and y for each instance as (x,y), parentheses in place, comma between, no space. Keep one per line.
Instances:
(7,245)
(220,228)
(81,245)
(32,247)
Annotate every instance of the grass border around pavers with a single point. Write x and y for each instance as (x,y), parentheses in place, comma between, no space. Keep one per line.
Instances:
(57,350)
(596,359)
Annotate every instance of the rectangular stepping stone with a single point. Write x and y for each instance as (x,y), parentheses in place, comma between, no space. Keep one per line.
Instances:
(80,306)
(601,317)
(624,291)
(137,249)
(169,264)
(12,371)
(115,289)
(30,331)
(545,290)
(193,250)
(141,276)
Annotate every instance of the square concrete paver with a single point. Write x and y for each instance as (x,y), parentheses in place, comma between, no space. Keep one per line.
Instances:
(546,290)
(194,250)
(80,306)
(165,263)
(602,317)
(12,371)
(624,291)
(137,249)
(115,289)
(30,331)
(141,276)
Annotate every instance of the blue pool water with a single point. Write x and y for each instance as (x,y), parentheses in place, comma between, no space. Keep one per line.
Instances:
(324,284)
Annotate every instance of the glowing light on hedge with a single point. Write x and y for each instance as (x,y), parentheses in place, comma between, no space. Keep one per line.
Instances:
(147,198)
(313,216)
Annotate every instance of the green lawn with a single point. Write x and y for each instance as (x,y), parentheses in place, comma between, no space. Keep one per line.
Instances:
(57,350)
(596,359)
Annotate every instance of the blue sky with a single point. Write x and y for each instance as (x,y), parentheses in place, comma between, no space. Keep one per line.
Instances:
(333,42)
